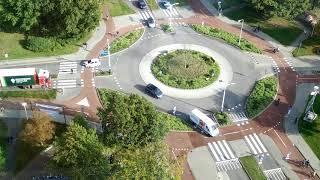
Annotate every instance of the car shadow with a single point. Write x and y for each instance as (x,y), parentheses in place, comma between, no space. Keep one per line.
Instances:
(141,88)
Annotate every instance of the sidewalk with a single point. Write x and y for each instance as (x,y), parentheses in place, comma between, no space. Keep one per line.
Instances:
(291,125)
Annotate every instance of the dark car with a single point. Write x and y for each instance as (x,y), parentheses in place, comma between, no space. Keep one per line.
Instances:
(142,4)
(151,23)
(154,91)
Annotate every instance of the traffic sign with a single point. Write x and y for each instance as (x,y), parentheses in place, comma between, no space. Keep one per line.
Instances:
(104,53)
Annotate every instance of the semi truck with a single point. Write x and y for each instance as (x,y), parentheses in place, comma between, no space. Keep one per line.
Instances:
(24,77)
(205,123)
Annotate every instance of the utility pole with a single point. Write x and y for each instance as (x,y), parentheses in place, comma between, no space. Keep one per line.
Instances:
(109,61)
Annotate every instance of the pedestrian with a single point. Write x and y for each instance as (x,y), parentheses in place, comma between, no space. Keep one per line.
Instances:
(307,163)
(259,28)
(71,71)
(274,50)
(174,110)
(117,33)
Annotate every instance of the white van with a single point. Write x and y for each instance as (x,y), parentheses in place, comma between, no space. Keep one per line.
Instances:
(204,122)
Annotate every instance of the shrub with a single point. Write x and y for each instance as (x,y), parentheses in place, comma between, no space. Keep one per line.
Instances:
(166,28)
(261,96)
(41,44)
(227,37)
(39,94)
(222,118)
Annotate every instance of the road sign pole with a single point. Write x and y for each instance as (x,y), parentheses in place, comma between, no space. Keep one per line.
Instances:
(109,61)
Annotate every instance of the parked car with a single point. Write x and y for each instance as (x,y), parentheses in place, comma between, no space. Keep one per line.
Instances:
(142,4)
(92,63)
(151,23)
(166,4)
(153,91)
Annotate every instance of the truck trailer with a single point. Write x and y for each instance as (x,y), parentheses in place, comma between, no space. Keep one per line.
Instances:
(24,77)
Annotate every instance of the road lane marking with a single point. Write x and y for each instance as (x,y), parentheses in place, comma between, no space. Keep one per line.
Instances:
(280,138)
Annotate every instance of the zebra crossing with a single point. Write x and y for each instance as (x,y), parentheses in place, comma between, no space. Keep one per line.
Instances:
(144,15)
(228,165)
(237,117)
(275,174)
(171,12)
(275,66)
(68,67)
(289,62)
(225,158)
(64,83)
(255,144)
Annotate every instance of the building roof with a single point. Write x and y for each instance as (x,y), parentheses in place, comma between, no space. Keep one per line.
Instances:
(17,72)
(203,117)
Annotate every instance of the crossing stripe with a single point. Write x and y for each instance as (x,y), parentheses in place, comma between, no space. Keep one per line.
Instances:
(251,146)
(174,11)
(218,150)
(150,14)
(71,86)
(144,16)
(223,150)
(67,80)
(213,152)
(255,143)
(260,143)
(165,12)
(228,149)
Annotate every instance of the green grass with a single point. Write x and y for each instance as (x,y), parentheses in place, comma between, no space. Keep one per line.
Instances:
(117,7)
(166,28)
(308,47)
(228,3)
(38,94)
(229,38)
(153,4)
(11,43)
(252,168)
(261,96)
(283,30)
(3,145)
(185,69)
(311,131)
(223,119)
(125,41)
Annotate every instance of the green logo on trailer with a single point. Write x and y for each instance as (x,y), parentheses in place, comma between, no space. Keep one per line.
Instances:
(19,80)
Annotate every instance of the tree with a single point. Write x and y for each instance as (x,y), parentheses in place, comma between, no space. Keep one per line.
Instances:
(149,162)
(284,8)
(81,120)
(79,152)
(38,131)
(130,120)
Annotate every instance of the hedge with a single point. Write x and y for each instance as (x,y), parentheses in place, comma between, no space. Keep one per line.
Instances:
(38,94)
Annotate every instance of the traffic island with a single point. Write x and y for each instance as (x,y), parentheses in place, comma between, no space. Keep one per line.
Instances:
(185,69)
(125,41)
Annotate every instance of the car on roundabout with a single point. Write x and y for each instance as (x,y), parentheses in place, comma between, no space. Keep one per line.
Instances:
(154,91)
(95,62)
(142,4)
(166,4)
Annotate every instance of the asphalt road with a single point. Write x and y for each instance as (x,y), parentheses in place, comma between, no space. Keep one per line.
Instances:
(126,76)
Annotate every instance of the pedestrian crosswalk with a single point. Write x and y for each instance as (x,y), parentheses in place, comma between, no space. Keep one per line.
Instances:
(144,15)
(275,174)
(238,117)
(228,165)
(171,12)
(255,144)
(64,83)
(221,151)
(68,67)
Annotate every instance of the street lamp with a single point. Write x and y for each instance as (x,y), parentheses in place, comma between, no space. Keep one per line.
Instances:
(24,104)
(219,8)
(109,62)
(242,21)
(224,94)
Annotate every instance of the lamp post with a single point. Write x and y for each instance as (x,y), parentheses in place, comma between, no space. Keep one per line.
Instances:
(24,104)
(219,8)
(109,61)
(242,21)
(224,94)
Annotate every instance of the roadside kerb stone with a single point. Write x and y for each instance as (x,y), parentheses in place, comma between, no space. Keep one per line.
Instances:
(222,81)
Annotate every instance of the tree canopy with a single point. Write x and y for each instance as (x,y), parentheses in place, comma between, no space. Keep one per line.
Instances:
(79,153)
(38,131)
(130,120)
(283,8)
(60,18)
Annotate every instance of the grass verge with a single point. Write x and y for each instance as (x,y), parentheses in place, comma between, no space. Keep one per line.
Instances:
(311,131)
(283,30)
(309,46)
(125,41)
(38,94)
(252,168)
(12,43)
(261,96)
(229,38)
(3,146)
(117,7)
